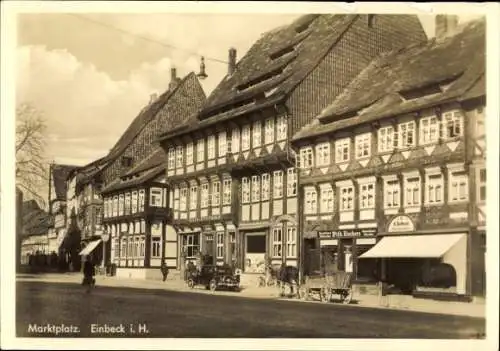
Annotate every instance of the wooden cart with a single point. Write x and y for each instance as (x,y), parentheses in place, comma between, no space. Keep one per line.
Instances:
(326,286)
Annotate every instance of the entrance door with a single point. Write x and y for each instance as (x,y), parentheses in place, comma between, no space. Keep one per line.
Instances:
(255,253)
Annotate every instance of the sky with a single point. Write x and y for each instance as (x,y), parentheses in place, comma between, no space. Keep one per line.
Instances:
(90,77)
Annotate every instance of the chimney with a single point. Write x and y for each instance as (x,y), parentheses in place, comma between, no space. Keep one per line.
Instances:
(445,25)
(152,98)
(173,79)
(232,61)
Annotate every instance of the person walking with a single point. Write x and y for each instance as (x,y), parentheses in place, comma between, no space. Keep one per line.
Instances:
(88,274)
(164,271)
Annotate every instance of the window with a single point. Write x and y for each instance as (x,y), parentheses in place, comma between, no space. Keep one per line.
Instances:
(191,245)
(291,182)
(183,199)
(211,147)
(136,247)
(245,138)
(347,198)
(140,206)
(222,144)
(257,134)
(291,242)
(235,143)
(269,131)
(406,134)
(363,145)
(215,194)
(115,206)
(179,153)
(142,251)
(255,188)
(171,199)
(434,189)
(227,183)
(189,154)
(105,208)
(311,201)
(367,196)
(481,185)
(281,125)
(452,124)
(306,157)
(204,195)
(458,186)
(245,190)
(127,204)
(429,130)
(134,201)
(342,150)
(116,247)
(155,247)
(155,197)
(120,205)
(123,252)
(412,191)
(130,251)
(143,226)
(220,245)
(326,196)
(193,197)
(171,158)
(98,214)
(392,195)
(200,151)
(278,184)
(386,139)
(323,154)
(265,187)
(277,241)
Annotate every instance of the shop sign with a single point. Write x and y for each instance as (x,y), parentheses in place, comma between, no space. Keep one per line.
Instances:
(401,224)
(347,233)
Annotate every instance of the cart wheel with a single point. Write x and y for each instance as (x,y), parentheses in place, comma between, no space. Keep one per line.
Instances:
(325,295)
(347,297)
(190,283)
(303,293)
(213,285)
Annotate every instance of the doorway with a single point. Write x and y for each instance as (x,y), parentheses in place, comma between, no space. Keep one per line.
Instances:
(255,253)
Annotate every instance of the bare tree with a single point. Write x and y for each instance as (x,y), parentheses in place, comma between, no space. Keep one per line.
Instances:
(31,169)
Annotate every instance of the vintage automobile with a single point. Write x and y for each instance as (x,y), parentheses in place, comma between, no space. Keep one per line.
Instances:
(214,277)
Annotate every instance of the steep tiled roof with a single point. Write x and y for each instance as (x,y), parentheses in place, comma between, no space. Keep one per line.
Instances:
(454,65)
(59,175)
(279,60)
(145,116)
(35,220)
(138,179)
(156,158)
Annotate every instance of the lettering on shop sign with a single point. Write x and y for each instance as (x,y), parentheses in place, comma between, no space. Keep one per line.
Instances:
(354,233)
(401,224)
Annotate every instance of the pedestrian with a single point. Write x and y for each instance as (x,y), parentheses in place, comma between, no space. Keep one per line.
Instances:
(164,271)
(88,274)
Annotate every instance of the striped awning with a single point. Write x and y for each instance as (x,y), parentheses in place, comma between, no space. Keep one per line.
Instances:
(90,247)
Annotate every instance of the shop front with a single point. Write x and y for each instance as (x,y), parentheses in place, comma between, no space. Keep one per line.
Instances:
(254,248)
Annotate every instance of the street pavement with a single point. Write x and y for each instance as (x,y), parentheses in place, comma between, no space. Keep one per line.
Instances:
(152,311)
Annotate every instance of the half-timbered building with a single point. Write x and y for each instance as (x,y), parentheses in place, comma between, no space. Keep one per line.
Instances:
(392,174)
(232,171)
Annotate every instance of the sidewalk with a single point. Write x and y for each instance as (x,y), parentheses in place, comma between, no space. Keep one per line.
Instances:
(396,302)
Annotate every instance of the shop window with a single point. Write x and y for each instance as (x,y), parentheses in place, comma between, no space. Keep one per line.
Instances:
(191,245)
(155,247)
(291,182)
(291,242)
(277,242)
(438,275)
(220,245)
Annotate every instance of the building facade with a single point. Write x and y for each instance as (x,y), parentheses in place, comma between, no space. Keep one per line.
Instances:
(392,173)
(232,170)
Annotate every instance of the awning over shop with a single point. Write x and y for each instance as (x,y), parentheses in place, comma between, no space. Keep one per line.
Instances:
(413,246)
(90,247)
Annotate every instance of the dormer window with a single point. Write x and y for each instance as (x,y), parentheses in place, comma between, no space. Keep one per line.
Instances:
(126,161)
(282,52)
